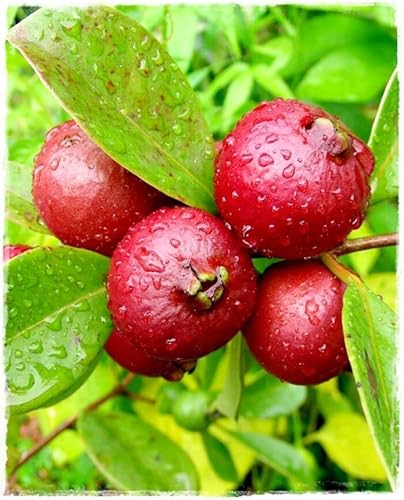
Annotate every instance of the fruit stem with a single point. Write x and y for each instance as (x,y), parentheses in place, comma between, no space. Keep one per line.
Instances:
(366,243)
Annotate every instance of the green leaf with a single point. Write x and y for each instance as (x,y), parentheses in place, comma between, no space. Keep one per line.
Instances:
(219,457)
(237,94)
(330,400)
(322,34)
(228,401)
(134,456)
(184,25)
(347,441)
(269,397)
(385,285)
(126,92)
(226,76)
(57,323)
(383,142)
(353,74)
(281,456)
(383,14)
(370,329)
(269,80)
(19,207)
(383,218)
(11,12)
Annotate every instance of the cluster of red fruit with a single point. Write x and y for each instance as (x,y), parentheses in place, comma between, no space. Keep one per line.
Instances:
(291,181)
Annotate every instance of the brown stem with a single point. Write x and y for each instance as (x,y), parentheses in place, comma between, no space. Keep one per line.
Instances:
(121,388)
(366,243)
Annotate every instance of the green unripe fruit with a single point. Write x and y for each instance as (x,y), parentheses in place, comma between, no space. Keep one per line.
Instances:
(190,410)
(167,395)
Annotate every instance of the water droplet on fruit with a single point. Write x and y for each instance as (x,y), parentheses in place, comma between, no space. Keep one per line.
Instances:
(269,139)
(284,240)
(156,280)
(302,185)
(175,243)
(150,261)
(265,159)
(54,163)
(356,222)
(286,154)
(229,140)
(289,171)
(171,344)
(246,158)
(143,284)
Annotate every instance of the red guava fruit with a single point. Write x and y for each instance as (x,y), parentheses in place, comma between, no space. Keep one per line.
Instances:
(292,180)
(296,330)
(10,251)
(129,357)
(180,284)
(84,197)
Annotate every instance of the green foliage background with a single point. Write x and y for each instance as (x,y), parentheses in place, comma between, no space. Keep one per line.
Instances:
(339,58)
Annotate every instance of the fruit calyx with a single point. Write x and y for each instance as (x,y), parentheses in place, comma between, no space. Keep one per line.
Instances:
(336,140)
(206,288)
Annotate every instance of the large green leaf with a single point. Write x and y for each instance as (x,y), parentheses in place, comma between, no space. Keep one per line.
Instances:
(280,455)
(126,92)
(57,323)
(384,144)
(135,456)
(19,206)
(346,438)
(184,30)
(228,401)
(370,329)
(357,73)
(269,397)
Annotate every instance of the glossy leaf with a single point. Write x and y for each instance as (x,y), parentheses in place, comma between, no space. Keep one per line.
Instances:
(57,323)
(19,207)
(280,455)
(126,92)
(344,75)
(269,397)
(228,401)
(371,339)
(219,457)
(134,456)
(347,441)
(384,144)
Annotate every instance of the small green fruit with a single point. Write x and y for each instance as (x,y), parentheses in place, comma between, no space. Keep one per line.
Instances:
(190,410)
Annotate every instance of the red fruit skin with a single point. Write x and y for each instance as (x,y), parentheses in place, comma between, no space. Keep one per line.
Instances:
(10,251)
(153,271)
(282,182)
(85,198)
(129,357)
(296,330)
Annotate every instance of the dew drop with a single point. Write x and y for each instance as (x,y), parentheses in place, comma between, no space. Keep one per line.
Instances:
(18,353)
(289,171)
(171,344)
(58,351)
(150,261)
(156,282)
(265,159)
(143,284)
(36,347)
(269,139)
(175,243)
(246,158)
(286,154)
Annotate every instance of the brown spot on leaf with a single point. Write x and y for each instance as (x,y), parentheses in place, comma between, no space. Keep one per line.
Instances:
(371,377)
